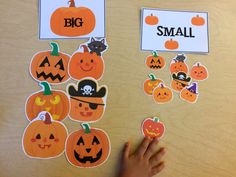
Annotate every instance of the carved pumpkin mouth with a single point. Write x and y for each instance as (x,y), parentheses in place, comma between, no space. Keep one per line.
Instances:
(44,146)
(88,158)
(155,66)
(152,133)
(87,114)
(50,75)
(86,70)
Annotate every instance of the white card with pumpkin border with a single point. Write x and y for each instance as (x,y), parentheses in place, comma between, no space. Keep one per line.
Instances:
(63,19)
(174,31)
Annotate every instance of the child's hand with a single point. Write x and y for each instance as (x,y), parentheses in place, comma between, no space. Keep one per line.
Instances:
(144,162)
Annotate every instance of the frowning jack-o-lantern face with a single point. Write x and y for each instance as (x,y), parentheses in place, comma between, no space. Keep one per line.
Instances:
(155,61)
(87,147)
(50,66)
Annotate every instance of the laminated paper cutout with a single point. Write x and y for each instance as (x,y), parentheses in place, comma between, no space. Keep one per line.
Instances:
(198,21)
(155,61)
(72,20)
(179,81)
(199,72)
(44,138)
(171,44)
(151,20)
(87,100)
(178,64)
(153,128)
(88,63)
(87,147)
(50,66)
(162,94)
(53,101)
(150,84)
(190,93)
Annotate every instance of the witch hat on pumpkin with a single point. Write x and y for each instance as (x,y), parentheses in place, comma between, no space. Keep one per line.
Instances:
(193,88)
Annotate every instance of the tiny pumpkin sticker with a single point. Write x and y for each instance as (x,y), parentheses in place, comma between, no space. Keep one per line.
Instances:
(87,147)
(162,94)
(171,44)
(44,138)
(198,21)
(153,128)
(150,84)
(155,61)
(199,72)
(151,20)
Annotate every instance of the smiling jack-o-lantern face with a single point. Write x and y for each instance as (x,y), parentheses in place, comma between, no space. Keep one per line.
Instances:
(151,83)
(53,101)
(153,128)
(155,61)
(189,93)
(87,147)
(50,66)
(199,72)
(44,138)
(162,94)
(178,66)
(85,64)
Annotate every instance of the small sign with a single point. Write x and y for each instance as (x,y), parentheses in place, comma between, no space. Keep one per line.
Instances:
(177,31)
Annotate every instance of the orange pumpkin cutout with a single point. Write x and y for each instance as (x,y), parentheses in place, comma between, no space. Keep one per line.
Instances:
(198,21)
(151,20)
(153,128)
(44,138)
(199,72)
(190,93)
(88,147)
(50,66)
(162,94)
(87,101)
(150,84)
(85,64)
(178,64)
(53,101)
(72,21)
(171,44)
(179,81)
(155,61)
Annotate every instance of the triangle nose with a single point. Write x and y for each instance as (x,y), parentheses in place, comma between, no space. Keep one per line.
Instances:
(88,150)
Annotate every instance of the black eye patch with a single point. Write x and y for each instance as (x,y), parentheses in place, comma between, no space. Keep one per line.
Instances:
(93,105)
(38,136)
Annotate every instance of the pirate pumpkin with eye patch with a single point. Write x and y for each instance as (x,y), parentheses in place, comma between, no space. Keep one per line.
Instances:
(50,66)
(179,81)
(87,101)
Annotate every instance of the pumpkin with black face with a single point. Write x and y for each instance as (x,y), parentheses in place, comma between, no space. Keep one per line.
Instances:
(87,147)
(155,61)
(50,66)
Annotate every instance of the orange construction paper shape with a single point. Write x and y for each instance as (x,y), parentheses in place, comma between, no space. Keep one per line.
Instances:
(190,93)
(178,64)
(199,72)
(150,84)
(162,94)
(155,61)
(153,128)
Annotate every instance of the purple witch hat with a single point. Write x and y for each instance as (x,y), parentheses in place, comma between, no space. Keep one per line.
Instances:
(193,88)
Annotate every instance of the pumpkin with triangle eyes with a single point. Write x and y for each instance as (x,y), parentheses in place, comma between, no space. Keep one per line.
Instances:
(50,66)
(88,147)
(53,101)
(162,94)
(44,138)
(155,61)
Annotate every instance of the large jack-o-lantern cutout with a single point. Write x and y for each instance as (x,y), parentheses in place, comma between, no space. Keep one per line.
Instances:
(72,21)
(178,64)
(150,84)
(162,94)
(53,101)
(153,128)
(44,138)
(87,101)
(50,66)
(88,147)
(155,61)
(86,64)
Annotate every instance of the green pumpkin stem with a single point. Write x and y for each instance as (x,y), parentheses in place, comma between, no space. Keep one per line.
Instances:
(86,127)
(46,88)
(152,77)
(156,119)
(55,49)
(154,53)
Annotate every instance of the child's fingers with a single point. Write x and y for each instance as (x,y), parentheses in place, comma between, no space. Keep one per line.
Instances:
(126,150)
(157,169)
(155,159)
(143,147)
(151,148)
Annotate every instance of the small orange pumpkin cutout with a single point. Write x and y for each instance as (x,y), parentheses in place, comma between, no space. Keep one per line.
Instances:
(50,66)
(178,64)
(53,101)
(199,72)
(171,44)
(198,21)
(190,93)
(86,64)
(88,147)
(153,128)
(151,20)
(44,138)
(150,84)
(87,101)
(162,94)
(72,21)
(155,61)
(179,81)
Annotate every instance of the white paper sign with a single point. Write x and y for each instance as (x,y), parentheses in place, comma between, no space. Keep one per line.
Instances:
(178,31)
(60,19)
